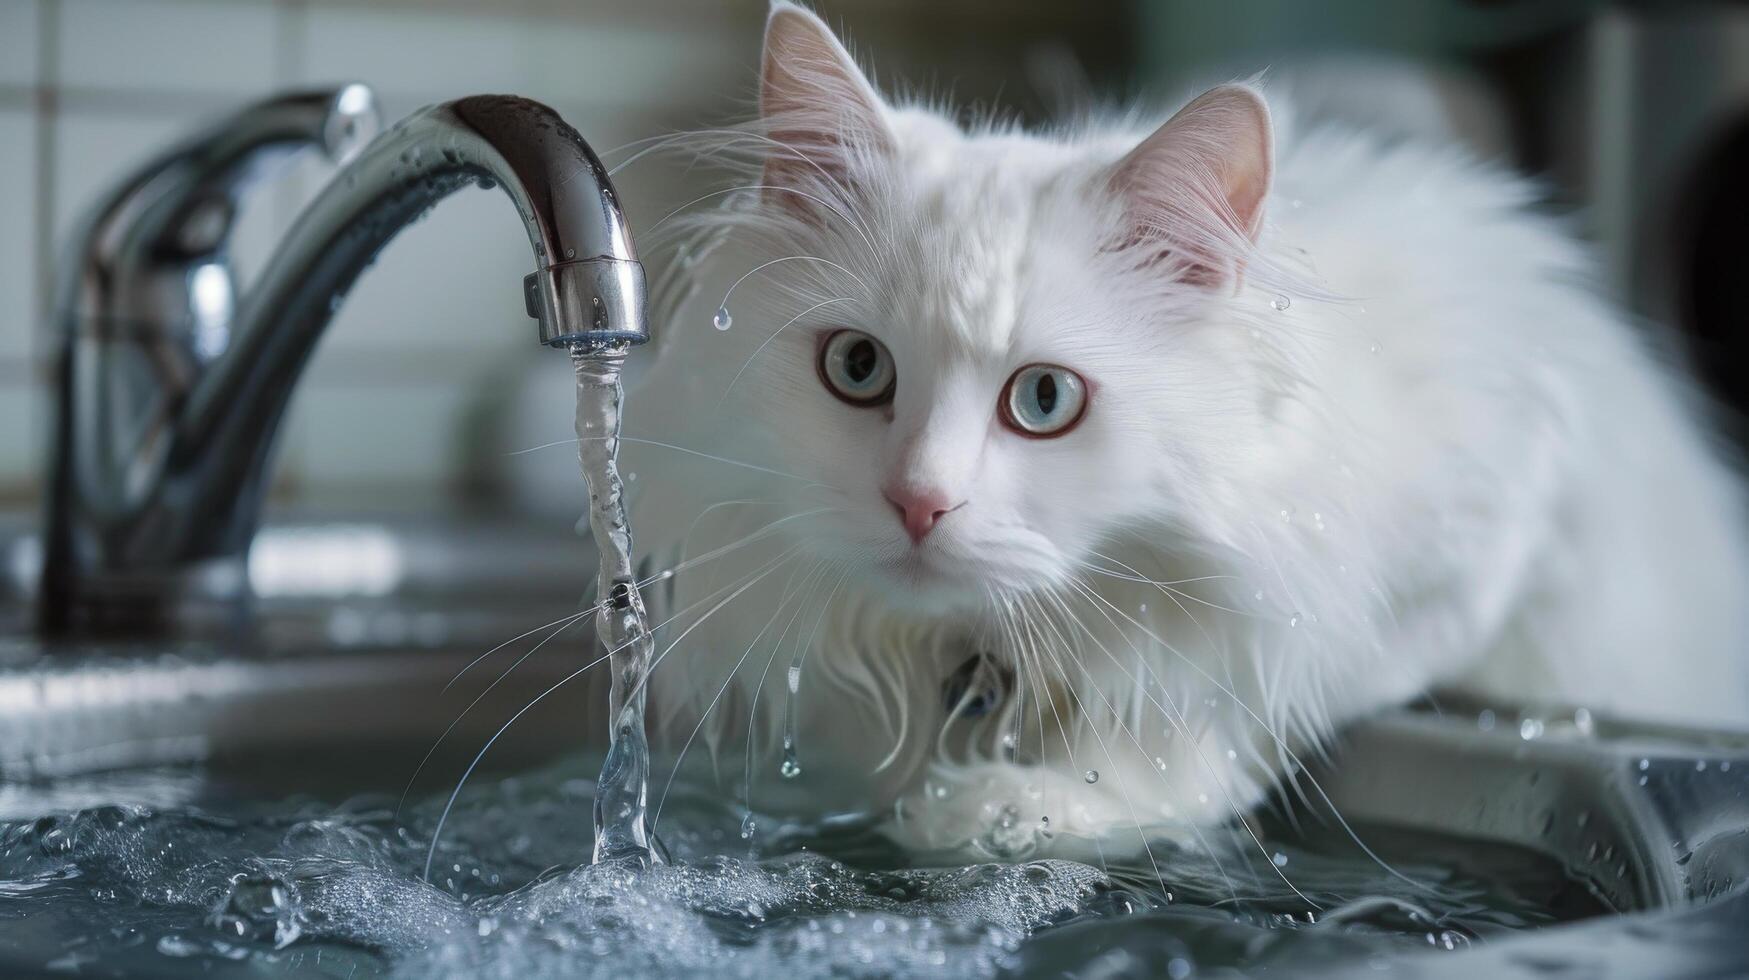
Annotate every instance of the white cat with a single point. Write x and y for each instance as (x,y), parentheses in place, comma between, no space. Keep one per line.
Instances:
(1090,477)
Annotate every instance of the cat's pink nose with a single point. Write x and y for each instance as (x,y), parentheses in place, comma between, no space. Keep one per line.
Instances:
(918,509)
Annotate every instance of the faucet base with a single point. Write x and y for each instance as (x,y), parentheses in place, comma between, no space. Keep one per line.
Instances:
(206,598)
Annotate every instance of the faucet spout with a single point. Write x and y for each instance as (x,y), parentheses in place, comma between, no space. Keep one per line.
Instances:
(169,518)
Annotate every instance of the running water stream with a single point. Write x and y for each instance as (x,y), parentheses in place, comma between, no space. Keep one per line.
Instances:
(622,792)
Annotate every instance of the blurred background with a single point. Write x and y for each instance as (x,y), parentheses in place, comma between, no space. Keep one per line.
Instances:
(1637,115)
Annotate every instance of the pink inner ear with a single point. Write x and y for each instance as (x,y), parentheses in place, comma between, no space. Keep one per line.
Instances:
(1194,190)
(817,104)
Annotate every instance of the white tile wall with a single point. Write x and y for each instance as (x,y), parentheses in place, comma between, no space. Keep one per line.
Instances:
(442,55)
(18,42)
(17,234)
(167,46)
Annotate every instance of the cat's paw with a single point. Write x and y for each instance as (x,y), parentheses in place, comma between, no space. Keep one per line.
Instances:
(1000,811)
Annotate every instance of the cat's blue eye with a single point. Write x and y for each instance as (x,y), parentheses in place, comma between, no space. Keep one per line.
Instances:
(857,368)
(1043,400)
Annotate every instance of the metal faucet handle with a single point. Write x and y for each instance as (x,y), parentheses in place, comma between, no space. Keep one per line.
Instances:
(142,245)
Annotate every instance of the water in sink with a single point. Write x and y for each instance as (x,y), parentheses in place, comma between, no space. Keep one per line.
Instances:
(231,879)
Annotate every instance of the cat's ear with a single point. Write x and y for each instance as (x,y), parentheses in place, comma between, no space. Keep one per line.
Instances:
(820,112)
(1193,191)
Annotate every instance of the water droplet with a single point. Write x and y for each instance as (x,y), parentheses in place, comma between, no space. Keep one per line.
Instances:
(1294,620)
(1700,765)
(1582,721)
(1485,719)
(1296,204)
(1010,741)
(722,321)
(790,768)
(1258,595)
(1279,859)
(1280,303)
(1092,776)
(1645,764)
(748,826)
(1044,823)
(1374,349)
(1530,728)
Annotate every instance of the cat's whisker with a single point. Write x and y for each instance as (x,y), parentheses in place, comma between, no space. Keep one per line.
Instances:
(1166,588)
(1136,576)
(681,449)
(768,263)
(793,678)
(709,509)
(1195,746)
(721,192)
(1125,729)
(704,716)
(815,575)
(566,619)
(568,623)
(1025,619)
(770,566)
(767,341)
(1281,743)
(721,550)
(1172,595)
(437,832)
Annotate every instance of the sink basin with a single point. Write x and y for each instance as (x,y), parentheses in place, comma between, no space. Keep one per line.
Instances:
(364,622)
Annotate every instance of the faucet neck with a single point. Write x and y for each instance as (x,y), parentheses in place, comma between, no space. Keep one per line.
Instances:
(180,493)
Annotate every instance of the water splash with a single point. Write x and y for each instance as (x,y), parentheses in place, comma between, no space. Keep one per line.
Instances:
(622,792)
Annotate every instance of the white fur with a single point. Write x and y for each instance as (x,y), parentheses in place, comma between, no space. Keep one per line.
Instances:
(1448,463)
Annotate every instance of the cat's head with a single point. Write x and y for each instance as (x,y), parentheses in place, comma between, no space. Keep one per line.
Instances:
(993,350)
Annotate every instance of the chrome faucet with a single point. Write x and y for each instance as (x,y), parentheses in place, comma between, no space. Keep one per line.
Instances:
(171,386)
